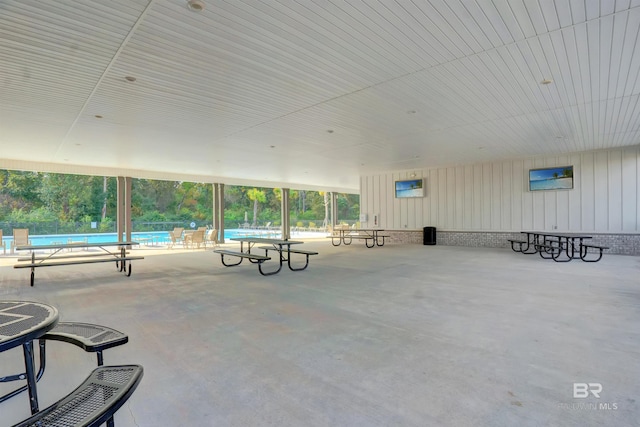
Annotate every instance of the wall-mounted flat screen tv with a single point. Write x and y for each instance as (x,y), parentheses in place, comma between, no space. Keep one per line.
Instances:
(556,178)
(410,188)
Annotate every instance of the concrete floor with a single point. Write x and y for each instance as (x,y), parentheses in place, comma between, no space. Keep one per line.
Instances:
(404,335)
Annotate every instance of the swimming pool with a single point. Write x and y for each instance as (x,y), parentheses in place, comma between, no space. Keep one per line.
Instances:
(157,237)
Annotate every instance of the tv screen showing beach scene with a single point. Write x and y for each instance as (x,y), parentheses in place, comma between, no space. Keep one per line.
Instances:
(556,178)
(410,188)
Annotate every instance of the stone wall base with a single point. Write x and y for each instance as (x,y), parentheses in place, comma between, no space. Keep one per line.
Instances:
(621,244)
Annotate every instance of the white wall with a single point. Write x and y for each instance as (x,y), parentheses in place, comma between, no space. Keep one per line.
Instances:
(495,197)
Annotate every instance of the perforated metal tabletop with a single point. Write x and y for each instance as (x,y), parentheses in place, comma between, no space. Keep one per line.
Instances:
(22,321)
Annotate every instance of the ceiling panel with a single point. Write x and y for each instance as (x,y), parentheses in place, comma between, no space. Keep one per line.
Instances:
(311,94)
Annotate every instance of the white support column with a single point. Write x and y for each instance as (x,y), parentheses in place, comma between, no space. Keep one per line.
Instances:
(334,209)
(123,221)
(285,214)
(128,224)
(120,204)
(214,205)
(218,210)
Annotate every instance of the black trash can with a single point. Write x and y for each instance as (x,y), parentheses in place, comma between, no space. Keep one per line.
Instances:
(429,235)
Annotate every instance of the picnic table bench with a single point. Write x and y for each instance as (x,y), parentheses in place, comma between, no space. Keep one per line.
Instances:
(93,402)
(97,398)
(242,255)
(554,245)
(584,250)
(290,251)
(522,246)
(374,238)
(120,256)
(88,336)
(346,235)
(279,245)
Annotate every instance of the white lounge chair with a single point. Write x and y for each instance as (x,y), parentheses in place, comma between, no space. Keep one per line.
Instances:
(20,238)
(211,237)
(195,239)
(176,236)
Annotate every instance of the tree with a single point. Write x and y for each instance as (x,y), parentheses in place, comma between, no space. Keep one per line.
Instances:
(104,205)
(19,191)
(160,194)
(293,197)
(303,199)
(257,196)
(325,222)
(31,197)
(69,196)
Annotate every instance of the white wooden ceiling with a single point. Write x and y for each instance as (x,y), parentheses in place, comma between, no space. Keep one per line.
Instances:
(311,94)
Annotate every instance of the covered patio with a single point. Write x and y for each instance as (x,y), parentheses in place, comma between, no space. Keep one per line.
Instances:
(463,98)
(406,335)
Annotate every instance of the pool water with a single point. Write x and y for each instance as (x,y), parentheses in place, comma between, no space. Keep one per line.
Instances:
(158,237)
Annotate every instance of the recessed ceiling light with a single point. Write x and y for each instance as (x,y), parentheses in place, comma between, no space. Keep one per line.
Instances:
(130,79)
(546,81)
(195,5)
